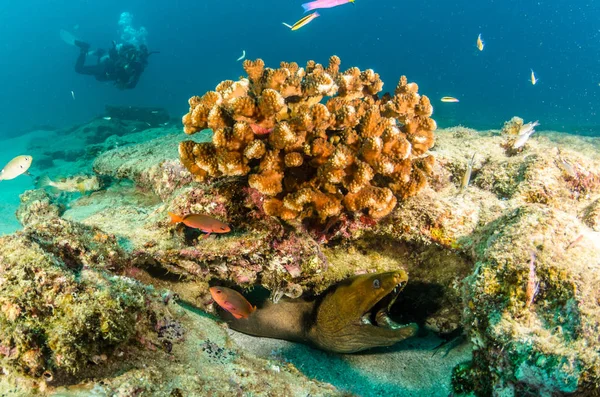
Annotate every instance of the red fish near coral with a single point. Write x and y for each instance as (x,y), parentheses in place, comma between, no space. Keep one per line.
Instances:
(260,130)
(232,301)
(206,223)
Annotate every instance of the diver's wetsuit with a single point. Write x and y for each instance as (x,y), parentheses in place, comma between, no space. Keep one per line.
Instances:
(103,70)
(123,66)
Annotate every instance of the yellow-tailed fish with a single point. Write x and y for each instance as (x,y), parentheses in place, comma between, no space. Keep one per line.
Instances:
(534,79)
(15,167)
(449,99)
(304,21)
(480,43)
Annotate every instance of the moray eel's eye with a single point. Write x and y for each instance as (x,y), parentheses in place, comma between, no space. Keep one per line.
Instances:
(376,283)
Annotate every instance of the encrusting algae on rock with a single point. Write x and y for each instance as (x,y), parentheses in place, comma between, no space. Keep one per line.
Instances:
(357,152)
(74,322)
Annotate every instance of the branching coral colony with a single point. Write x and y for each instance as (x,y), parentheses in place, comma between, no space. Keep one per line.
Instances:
(355,152)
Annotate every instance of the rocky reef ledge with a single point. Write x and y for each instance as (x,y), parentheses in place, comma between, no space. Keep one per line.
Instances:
(103,294)
(468,254)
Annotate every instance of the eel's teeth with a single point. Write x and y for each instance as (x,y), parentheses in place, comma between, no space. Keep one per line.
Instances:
(365,319)
(389,306)
(384,321)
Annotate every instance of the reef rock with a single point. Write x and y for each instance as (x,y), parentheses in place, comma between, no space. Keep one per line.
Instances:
(150,115)
(532,305)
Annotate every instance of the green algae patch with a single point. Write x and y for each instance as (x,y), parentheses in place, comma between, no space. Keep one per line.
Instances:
(55,317)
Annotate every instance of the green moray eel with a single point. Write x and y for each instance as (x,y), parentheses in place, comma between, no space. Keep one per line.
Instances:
(349,317)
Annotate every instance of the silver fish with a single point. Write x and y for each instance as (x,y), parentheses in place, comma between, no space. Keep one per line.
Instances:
(566,166)
(467,176)
(526,128)
(526,131)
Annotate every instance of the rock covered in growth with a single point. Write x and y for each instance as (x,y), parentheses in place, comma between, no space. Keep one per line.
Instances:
(512,126)
(36,206)
(356,152)
(74,244)
(57,316)
(152,165)
(532,306)
(591,215)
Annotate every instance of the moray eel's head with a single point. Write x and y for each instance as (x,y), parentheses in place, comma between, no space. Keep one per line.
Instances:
(353,316)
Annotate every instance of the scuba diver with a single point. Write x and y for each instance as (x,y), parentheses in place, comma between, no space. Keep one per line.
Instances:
(124,63)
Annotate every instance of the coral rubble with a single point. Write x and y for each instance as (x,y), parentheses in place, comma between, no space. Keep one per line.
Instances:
(355,152)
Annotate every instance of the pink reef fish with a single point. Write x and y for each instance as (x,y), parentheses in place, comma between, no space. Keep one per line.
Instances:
(232,301)
(314,5)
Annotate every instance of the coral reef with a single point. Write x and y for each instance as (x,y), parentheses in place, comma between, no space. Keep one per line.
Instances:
(62,325)
(37,206)
(467,250)
(68,314)
(58,315)
(357,152)
(530,341)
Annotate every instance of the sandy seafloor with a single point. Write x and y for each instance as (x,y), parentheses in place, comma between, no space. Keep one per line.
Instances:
(411,368)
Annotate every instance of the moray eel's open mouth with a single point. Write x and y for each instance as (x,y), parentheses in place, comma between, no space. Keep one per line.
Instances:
(378,315)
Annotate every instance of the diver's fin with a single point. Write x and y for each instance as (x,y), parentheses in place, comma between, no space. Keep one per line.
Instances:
(82,45)
(67,37)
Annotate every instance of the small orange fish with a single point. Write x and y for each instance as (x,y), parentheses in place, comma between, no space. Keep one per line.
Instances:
(232,301)
(206,223)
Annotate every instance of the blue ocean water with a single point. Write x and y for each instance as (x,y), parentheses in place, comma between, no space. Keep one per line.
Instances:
(433,43)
